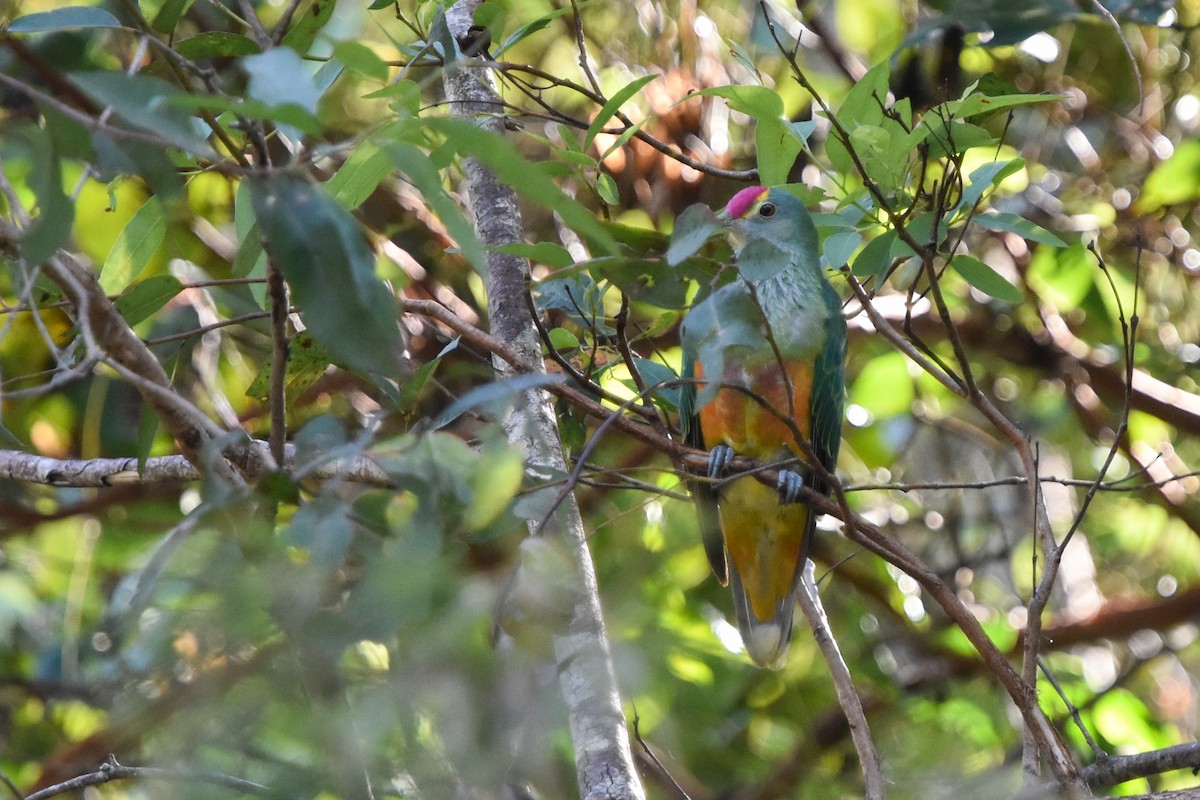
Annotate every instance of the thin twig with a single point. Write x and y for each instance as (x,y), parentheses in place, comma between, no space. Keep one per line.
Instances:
(843,684)
(112,771)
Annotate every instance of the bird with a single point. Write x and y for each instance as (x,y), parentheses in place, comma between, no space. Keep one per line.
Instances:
(777,338)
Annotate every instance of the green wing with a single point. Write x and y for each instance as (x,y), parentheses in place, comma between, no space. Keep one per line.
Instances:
(703,495)
(829,388)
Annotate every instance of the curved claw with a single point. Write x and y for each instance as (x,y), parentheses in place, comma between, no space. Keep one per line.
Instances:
(789,485)
(719,459)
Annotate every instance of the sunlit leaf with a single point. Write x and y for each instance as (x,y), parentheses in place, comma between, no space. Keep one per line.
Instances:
(985,279)
(548,253)
(217,44)
(1174,181)
(1019,225)
(613,105)
(884,387)
(137,243)
(308,360)
(359,175)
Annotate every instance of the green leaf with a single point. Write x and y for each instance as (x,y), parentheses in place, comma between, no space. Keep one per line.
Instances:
(359,175)
(62,19)
(362,59)
(776,148)
(495,398)
(757,101)
(50,229)
(606,187)
(119,156)
(875,259)
(538,24)
(142,101)
(884,387)
(1020,226)
(548,253)
(323,528)
(562,339)
(144,298)
(286,114)
(985,279)
(953,139)
(405,95)
(321,251)
(973,105)
(307,362)
(987,176)
(1062,278)
(135,246)
(169,15)
(527,178)
(1174,181)
(862,106)
(496,480)
(716,328)
(652,373)
(420,169)
(776,142)
(609,109)
(693,228)
(301,35)
(280,78)
(651,282)
(217,44)
(840,246)
(761,259)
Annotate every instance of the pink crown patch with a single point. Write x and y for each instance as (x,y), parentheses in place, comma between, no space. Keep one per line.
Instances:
(741,203)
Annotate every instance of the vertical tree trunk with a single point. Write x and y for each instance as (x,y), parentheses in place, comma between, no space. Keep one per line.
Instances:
(603,760)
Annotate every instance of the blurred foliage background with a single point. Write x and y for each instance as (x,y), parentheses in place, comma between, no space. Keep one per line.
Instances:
(309,634)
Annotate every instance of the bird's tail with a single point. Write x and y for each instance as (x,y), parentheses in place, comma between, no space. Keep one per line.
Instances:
(766,640)
(767,548)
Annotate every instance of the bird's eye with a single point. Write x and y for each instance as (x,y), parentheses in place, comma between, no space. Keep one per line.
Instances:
(766,210)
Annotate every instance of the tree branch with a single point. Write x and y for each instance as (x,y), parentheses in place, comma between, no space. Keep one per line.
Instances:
(16,465)
(843,683)
(1117,769)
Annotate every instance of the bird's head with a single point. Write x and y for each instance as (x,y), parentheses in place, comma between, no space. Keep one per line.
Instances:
(773,215)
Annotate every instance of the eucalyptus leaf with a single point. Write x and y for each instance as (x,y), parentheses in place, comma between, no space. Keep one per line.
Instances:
(143,101)
(141,300)
(985,279)
(1012,223)
(62,19)
(609,109)
(136,244)
(495,398)
(323,254)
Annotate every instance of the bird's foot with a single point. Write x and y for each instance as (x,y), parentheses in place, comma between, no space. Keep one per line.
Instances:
(789,485)
(719,459)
